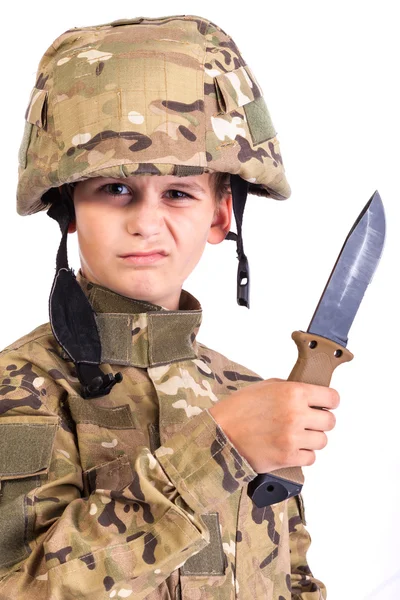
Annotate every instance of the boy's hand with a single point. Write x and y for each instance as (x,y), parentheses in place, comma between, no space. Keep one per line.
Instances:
(273,423)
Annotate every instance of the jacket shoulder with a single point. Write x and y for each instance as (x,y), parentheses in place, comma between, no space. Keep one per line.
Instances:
(34,365)
(39,334)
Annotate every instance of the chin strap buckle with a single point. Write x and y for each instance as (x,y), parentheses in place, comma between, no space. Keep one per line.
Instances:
(101,385)
(94,382)
(243,282)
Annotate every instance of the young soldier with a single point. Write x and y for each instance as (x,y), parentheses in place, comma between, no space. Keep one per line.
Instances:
(126,446)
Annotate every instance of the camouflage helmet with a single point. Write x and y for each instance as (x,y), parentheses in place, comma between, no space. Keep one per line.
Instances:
(151,96)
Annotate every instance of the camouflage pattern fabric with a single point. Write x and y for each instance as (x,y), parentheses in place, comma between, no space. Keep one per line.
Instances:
(152,96)
(138,494)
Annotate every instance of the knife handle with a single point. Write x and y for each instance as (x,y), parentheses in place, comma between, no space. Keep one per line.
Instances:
(318,358)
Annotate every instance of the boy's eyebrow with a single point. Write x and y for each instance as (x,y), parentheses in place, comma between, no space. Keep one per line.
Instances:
(188,185)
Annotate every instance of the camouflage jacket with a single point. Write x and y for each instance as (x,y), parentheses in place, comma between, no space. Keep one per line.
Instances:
(137,494)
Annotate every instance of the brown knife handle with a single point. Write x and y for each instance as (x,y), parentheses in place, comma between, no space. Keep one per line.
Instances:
(318,358)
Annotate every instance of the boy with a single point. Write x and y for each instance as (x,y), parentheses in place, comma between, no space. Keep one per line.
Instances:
(126,446)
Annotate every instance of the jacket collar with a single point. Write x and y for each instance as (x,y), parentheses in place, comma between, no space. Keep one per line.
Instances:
(140,334)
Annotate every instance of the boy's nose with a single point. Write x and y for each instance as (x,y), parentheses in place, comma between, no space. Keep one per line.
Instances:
(144,220)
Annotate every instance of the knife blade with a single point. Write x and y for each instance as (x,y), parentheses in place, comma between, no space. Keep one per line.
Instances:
(322,347)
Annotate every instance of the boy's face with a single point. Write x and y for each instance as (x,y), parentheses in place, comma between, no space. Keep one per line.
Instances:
(168,218)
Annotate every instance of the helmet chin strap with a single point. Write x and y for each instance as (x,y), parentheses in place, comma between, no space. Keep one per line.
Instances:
(239,189)
(72,318)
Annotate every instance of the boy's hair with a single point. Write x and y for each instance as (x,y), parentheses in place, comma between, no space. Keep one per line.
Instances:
(220,184)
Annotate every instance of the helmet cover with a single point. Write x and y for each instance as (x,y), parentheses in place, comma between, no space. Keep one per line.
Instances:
(145,96)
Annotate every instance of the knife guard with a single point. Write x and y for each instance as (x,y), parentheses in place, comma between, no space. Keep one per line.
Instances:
(317,358)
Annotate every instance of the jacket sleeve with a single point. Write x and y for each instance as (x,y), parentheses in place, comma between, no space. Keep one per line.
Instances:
(304,585)
(59,542)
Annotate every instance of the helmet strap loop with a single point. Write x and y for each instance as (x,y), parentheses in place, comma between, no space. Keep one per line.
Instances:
(239,188)
(72,318)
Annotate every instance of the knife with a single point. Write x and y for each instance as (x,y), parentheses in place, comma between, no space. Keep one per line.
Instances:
(322,347)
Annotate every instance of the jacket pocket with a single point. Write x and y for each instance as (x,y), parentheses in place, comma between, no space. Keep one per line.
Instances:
(208,569)
(113,475)
(26,445)
(211,559)
(104,433)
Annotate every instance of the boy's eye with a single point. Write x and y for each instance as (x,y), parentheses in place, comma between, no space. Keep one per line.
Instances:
(182,196)
(114,188)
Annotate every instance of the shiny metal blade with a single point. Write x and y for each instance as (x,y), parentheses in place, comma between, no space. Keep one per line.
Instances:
(351,274)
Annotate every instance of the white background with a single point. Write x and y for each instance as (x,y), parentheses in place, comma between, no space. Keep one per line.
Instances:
(330,76)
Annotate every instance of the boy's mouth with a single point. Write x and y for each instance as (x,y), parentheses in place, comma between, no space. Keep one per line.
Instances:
(144,258)
(150,253)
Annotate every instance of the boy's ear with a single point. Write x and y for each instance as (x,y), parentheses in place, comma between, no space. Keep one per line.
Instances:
(72,227)
(221,223)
